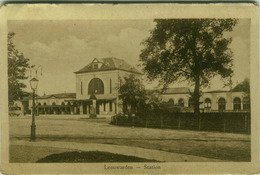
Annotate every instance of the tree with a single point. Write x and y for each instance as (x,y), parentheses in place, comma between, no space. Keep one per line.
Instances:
(132,92)
(193,50)
(17,67)
(153,99)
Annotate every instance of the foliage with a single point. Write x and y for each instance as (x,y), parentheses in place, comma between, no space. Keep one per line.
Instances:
(154,103)
(153,100)
(132,92)
(17,67)
(193,50)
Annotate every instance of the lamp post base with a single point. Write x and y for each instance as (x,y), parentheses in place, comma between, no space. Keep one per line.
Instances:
(33,135)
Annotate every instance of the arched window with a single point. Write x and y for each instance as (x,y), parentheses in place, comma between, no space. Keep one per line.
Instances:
(68,104)
(44,104)
(181,102)
(96,86)
(62,104)
(237,104)
(171,100)
(221,104)
(53,104)
(207,104)
(39,104)
(191,102)
(246,103)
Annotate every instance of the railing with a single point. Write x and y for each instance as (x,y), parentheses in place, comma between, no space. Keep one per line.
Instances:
(237,122)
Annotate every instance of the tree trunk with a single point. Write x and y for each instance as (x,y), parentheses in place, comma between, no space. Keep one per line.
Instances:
(196,97)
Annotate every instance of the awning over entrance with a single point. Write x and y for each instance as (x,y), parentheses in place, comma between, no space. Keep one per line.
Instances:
(99,99)
(52,106)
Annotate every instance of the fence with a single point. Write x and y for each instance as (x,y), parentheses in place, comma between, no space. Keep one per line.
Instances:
(237,122)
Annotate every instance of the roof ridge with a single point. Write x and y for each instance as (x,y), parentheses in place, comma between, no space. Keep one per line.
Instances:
(114,63)
(110,58)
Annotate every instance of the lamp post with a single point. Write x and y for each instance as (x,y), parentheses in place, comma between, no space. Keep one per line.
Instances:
(33,83)
(34,73)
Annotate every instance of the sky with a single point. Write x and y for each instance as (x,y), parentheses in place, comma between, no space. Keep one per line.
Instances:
(62,47)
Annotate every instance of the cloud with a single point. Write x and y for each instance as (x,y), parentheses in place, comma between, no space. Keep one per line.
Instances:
(126,44)
(61,58)
(62,48)
(241,56)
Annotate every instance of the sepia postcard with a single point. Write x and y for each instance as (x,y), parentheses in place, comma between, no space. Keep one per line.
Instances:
(129,88)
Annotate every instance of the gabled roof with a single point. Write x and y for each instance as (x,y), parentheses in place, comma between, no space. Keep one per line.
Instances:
(244,86)
(108,64)
(61,95)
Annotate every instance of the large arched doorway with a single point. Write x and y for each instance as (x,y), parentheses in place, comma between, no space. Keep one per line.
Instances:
(96,86)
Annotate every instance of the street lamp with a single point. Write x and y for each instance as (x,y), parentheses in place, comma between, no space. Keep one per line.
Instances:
(33,83)
(34,73)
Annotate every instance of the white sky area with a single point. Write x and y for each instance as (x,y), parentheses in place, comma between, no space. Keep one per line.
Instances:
(63,47)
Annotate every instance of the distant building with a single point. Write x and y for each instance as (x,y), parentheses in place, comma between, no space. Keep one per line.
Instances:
(56,104)
(49,104)
(210,100)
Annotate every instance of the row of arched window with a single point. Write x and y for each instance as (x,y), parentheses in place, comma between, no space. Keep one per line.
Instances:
(237,103)
(54,104)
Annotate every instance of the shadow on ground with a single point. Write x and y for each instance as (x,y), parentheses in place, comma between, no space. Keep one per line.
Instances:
(90,156)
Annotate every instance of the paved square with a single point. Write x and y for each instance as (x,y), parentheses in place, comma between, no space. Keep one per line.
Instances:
(53,131)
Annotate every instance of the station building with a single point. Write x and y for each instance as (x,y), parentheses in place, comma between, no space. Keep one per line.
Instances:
(99,81)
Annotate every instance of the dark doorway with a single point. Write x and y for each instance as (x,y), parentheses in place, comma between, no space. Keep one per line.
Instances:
(84,108)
